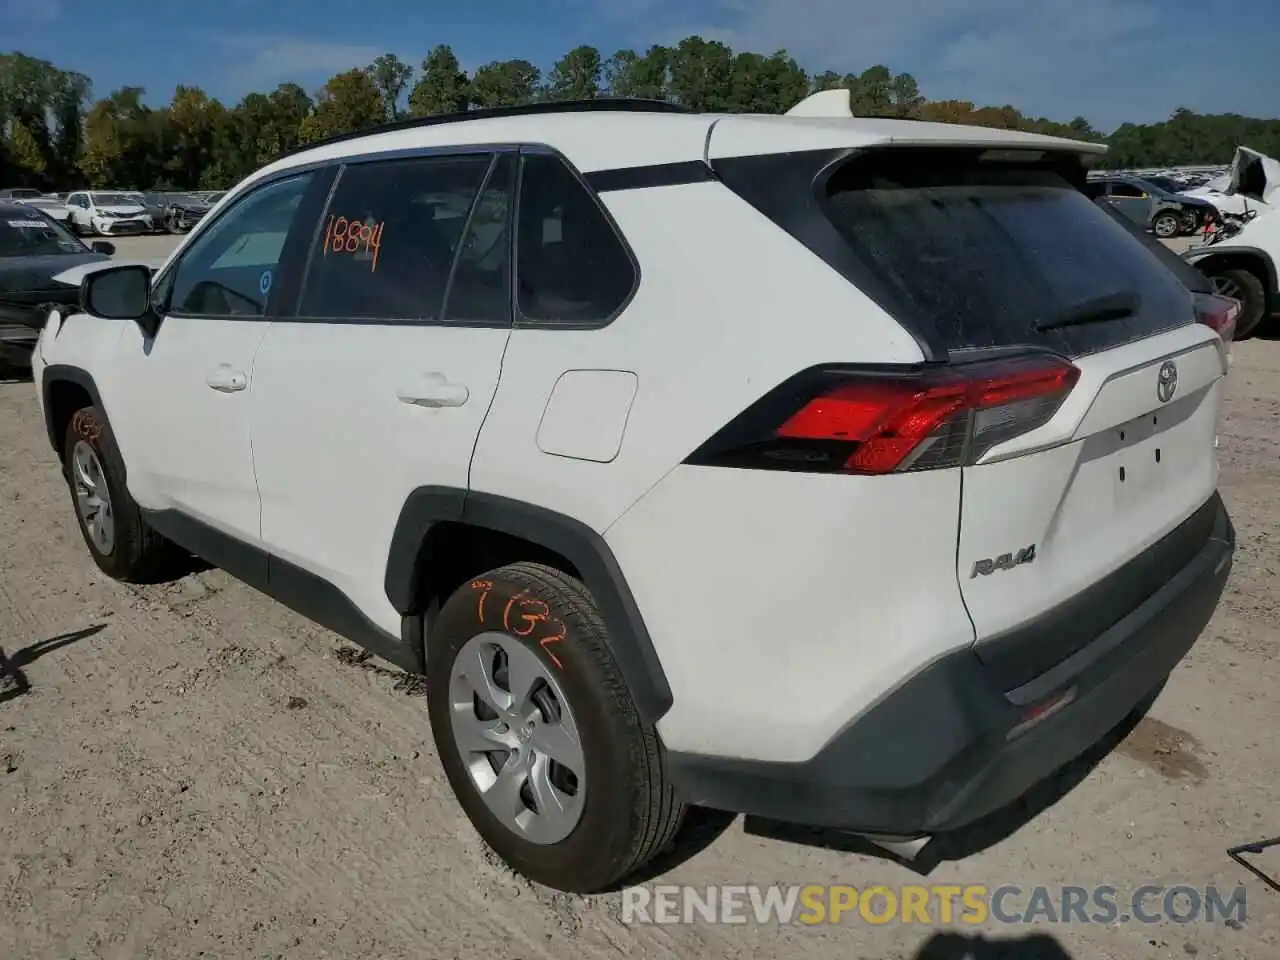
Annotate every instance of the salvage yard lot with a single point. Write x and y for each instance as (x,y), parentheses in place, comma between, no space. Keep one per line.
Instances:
(197,771)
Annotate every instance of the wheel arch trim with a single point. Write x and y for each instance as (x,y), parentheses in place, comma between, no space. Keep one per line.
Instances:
(408,570)
(57,373)
(1198,257)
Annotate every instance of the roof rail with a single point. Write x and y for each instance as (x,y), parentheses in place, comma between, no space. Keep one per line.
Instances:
(599,104)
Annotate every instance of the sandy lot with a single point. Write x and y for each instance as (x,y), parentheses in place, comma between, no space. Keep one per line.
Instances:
(197,772)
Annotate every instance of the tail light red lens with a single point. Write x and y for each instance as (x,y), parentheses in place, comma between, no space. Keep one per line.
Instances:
(879,422)
(1219,312)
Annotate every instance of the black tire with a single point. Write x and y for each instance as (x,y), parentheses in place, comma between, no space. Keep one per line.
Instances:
(1253,297)
(630,812)
(139,554)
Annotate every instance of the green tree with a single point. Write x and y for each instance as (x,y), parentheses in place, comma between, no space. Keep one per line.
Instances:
(904,96)
(576,75)
(52,134)
(505,83)
(347,102)
(701,74)
(873,95)
(25,149)
(760,84)
(390,75)
(627,74)
(442,86)
(190,129)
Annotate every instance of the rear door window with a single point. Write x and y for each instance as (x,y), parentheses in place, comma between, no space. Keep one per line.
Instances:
(386,244)
(987,252)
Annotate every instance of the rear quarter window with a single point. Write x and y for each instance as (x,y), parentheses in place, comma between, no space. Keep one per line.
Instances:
(985,251)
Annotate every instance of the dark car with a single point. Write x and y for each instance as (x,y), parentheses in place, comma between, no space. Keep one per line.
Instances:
(184,211)
(155,205)
(34,248)
(1163,212)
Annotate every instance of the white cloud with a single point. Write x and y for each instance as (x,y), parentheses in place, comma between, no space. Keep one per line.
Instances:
(261,62)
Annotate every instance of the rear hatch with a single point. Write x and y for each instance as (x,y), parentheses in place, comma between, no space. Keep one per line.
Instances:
(1095,483)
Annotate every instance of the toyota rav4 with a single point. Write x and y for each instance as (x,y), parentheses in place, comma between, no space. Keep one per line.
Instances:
(850,472)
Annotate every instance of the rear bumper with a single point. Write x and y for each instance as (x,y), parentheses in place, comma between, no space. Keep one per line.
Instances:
(943,750)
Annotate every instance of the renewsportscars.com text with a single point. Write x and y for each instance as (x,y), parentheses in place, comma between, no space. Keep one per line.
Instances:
(931,905)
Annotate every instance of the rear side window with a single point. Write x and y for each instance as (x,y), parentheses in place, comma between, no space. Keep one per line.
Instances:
(571,267)
(987,252)
(386,243)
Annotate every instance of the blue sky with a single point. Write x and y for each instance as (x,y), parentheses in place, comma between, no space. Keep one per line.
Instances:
(1107,60)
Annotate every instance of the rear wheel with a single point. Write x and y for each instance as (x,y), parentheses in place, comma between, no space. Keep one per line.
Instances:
(1166,224)
(1247,287)
(538,734)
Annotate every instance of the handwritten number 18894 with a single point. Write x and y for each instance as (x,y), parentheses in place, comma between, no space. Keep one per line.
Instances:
(353,236)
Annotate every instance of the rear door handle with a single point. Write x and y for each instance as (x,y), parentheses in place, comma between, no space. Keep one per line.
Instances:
(227,380)
(433,390)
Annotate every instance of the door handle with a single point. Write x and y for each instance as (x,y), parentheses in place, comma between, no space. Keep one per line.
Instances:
(227,380)
(433,390)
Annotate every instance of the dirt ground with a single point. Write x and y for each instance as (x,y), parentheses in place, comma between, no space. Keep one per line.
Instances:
(195,771)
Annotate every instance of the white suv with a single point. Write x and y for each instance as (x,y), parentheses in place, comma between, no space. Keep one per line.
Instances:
(858,473)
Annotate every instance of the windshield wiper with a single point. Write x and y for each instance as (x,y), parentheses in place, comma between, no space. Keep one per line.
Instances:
(1113,306)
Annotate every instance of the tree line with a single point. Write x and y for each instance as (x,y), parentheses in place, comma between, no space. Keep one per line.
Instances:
(55,135)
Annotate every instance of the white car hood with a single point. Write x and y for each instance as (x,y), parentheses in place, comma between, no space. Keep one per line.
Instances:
(1253,183)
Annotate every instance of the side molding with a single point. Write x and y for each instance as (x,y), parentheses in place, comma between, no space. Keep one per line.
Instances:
(300,591)
(408,566)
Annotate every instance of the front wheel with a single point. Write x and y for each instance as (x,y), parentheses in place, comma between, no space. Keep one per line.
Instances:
(1247,287)
(119,540)
(538,734)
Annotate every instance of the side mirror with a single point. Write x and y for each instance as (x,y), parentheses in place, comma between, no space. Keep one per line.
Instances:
(121,293)
(103,246)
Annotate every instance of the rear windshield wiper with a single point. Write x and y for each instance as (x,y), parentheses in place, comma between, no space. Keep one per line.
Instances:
(1113,306)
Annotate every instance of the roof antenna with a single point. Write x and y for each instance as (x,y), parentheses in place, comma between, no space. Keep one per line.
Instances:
(837,103)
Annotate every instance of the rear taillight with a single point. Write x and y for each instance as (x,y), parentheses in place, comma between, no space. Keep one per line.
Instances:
(835,420)
(1218,312)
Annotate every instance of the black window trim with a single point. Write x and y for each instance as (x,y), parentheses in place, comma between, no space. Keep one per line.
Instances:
(525,323)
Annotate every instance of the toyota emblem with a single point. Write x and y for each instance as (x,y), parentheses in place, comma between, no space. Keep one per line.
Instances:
(1167,383)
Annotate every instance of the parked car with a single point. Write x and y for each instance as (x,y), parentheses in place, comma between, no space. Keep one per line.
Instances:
(1165,213)
(850,472)
(107,213)
(155,204)
(33,249)
(184,211)
(1245,265)
(51,206)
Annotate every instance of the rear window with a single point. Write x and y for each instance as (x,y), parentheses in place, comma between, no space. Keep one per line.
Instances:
(985,251)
